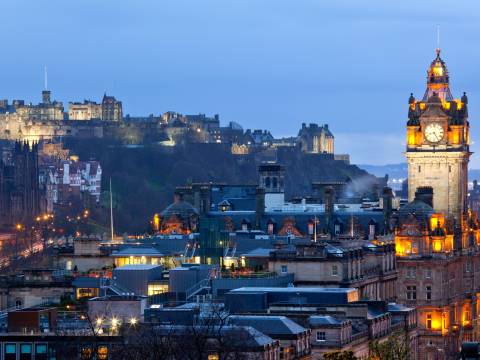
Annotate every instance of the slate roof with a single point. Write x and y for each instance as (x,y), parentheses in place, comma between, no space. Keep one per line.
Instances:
(258,252)
(319,320)
(241,336)
(268,324)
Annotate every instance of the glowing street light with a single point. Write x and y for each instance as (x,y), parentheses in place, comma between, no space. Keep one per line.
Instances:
(114,322)
(133,321)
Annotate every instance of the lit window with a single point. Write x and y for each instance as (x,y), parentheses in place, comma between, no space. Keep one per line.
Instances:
(25,348)
(429,321)
(321,336)
(102,353)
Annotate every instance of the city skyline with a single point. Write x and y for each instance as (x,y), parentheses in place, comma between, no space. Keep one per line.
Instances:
(301,63)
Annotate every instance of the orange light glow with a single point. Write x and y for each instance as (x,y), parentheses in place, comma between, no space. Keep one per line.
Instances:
(403,247)
(437,245)
(411,139)
(437,220)
(156,222)
(436,324)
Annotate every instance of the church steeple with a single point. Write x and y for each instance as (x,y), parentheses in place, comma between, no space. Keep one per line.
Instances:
(438,80)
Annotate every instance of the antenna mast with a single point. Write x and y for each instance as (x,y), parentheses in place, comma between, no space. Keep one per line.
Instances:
(438,36)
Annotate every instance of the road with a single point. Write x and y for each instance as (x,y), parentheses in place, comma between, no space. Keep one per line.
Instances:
(37,247)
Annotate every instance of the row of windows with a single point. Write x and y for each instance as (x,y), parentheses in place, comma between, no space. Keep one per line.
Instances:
(25,351)
(412,292)
(412,273)
(41,351)
(284,270)
(449,168)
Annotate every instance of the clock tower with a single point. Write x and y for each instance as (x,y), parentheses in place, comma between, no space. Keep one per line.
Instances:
(438,143)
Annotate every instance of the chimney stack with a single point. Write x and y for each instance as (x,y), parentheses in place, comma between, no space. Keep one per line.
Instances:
(328,199)
(259,206)
(425,194)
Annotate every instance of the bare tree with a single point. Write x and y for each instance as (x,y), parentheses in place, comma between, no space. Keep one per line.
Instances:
(211,334)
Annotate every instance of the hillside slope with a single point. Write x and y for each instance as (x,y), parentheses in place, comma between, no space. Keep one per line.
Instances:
(144,178)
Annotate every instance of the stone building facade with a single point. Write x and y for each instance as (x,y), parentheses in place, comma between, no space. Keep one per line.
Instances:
(371,269)
(436,236)
(88,110)
(111,109)
(438,143)
(316,139)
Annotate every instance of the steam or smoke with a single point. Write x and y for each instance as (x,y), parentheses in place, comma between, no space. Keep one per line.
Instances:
(361,186)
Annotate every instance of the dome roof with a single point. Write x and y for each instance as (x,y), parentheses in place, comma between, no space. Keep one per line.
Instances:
(438,72)
(419,209)
(438,79)
(179,208)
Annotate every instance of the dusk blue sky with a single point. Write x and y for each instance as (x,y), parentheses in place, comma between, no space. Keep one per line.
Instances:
(262,63)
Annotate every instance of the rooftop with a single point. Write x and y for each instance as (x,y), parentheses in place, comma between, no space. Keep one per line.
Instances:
(137,251)
(138,267)
(268,324)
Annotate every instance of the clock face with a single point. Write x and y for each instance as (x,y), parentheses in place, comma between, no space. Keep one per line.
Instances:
(434,133)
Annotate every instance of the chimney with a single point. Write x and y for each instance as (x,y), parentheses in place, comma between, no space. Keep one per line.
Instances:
(328,199)
(387,196)
(425,194)
(259,206)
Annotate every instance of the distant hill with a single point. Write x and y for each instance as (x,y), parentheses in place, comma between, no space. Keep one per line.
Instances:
(394,171)
(400,171)
(144,178)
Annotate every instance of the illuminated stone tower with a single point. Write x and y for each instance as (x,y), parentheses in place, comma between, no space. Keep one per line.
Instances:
(438,143)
